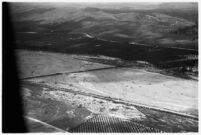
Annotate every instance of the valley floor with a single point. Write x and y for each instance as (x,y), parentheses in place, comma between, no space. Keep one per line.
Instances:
(126,84)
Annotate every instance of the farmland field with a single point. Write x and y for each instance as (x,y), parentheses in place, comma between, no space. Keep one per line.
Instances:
(132,84)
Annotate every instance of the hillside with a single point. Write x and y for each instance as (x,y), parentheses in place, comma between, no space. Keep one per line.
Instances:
(153,24)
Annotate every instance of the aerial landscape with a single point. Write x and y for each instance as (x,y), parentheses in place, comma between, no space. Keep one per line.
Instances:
(107,67)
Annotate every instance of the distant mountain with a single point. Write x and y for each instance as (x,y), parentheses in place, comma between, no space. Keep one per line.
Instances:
(148,23)
(179,6)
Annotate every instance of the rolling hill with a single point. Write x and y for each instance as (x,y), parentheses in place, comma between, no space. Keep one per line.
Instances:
(146,23)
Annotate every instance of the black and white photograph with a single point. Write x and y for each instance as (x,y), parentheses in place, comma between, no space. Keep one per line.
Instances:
(100,67)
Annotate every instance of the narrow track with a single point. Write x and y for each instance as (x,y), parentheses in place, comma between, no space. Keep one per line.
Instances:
(45,124)
(80,71)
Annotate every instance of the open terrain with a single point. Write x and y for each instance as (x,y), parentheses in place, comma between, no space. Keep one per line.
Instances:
(107,67)
(33,64)
(50,109)
(127,83)
(139,86)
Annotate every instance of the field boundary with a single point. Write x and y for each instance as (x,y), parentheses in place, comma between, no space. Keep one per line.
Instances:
(79,71)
